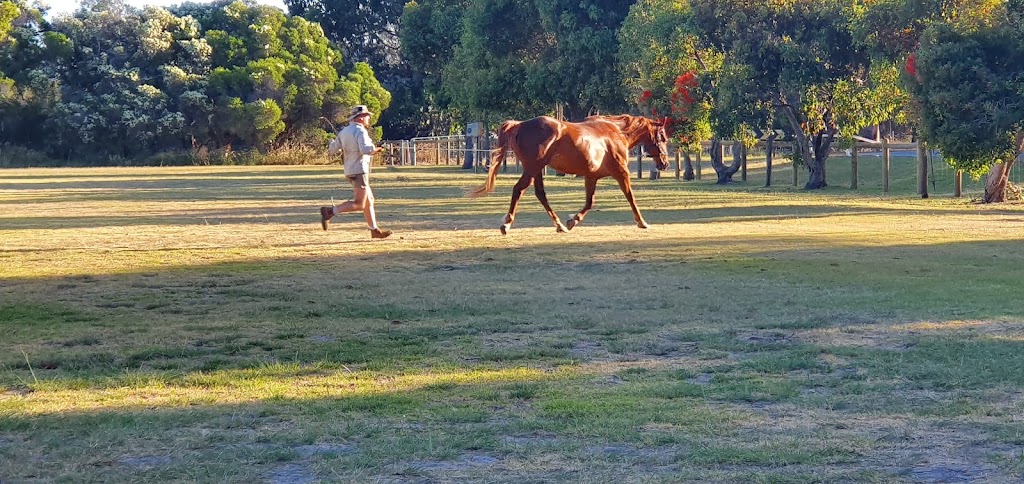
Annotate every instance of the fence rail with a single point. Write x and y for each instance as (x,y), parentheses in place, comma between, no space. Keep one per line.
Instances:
(460,151)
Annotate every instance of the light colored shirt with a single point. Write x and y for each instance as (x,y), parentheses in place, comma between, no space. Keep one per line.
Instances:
(356,147)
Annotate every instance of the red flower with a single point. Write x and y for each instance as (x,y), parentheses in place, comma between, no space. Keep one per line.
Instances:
(646,95)
(683,89)
(912,65)
(686,80)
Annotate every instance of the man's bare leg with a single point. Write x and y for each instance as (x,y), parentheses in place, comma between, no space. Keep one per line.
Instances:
(362,199)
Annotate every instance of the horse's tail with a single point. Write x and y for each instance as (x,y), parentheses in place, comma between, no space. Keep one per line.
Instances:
(506,135)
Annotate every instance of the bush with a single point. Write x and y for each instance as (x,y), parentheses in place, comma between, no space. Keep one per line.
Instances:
(13,156)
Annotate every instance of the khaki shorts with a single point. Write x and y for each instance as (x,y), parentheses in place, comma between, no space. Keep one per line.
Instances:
(359,181)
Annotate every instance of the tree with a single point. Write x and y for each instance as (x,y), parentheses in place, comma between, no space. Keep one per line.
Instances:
(115,81)
(969,94)
(959,58)
(663,62)
(430,31)
(366,30)
(25,91)
(796,61)
(668,70)
(556,51)
(369,31)
(9,12)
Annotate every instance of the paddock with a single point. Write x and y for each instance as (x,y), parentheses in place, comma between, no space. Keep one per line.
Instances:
(195,323)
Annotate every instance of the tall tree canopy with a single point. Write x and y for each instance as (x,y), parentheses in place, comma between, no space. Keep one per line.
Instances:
(663,64)
(796,60)
(369,31)
(968,92)
(962,68)
(112,80)
(520,57)
(366,30)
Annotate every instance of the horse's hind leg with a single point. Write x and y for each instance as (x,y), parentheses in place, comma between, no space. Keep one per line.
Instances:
(538,189)
(627,190)
(517,192)
(591,184)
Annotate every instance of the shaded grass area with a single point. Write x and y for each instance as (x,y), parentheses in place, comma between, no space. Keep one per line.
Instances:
(750,336)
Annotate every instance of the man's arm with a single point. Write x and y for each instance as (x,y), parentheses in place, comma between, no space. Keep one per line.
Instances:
(366,145)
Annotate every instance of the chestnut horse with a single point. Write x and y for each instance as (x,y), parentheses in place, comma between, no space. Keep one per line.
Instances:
(594,148)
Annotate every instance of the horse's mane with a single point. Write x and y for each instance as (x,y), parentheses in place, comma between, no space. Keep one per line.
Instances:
(631,126)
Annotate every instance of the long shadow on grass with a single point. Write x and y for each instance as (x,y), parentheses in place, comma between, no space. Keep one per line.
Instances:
(443,209)
(421,311)
(551,287)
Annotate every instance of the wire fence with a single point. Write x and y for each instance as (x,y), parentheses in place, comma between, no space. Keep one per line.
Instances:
(472,153)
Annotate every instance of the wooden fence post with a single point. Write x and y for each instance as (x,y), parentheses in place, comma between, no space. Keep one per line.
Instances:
(853,166)
(885,166)
(699,168)
(922,169)
(796,174)
(679,162)
(639,164)
(958,183)
(743,162)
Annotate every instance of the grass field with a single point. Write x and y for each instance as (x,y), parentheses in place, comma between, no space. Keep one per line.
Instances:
(195,324)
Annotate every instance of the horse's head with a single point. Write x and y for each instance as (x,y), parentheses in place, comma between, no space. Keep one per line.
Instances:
(656,143)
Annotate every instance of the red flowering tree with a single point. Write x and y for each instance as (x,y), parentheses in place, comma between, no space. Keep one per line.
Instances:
(663,62)
(911,65)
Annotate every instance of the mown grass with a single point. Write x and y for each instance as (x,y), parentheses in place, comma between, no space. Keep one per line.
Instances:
(196,324)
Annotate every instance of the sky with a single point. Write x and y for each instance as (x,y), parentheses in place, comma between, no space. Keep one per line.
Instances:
(58,7)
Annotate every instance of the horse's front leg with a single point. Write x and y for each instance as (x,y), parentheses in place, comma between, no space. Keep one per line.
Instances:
(538,189)
(591,184)
(627,190)
(517,192)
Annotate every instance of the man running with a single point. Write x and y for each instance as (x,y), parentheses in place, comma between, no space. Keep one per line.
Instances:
(356,147)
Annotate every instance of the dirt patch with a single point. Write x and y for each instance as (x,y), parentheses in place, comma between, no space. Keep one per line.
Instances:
(292,473)
(898,337)
(299,472)
(930,453)
(462,463)
(884,339)
(146,462)
(590,351)
(309,451)
(661,455)
(769,336)
(946,473)
(702,379)
(532,440)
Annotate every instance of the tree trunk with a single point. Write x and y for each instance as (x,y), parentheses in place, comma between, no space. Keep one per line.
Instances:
(815,174)
(724,172)
(769,152)
(816,163)
(687,166)
(995,184)
(999,175)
